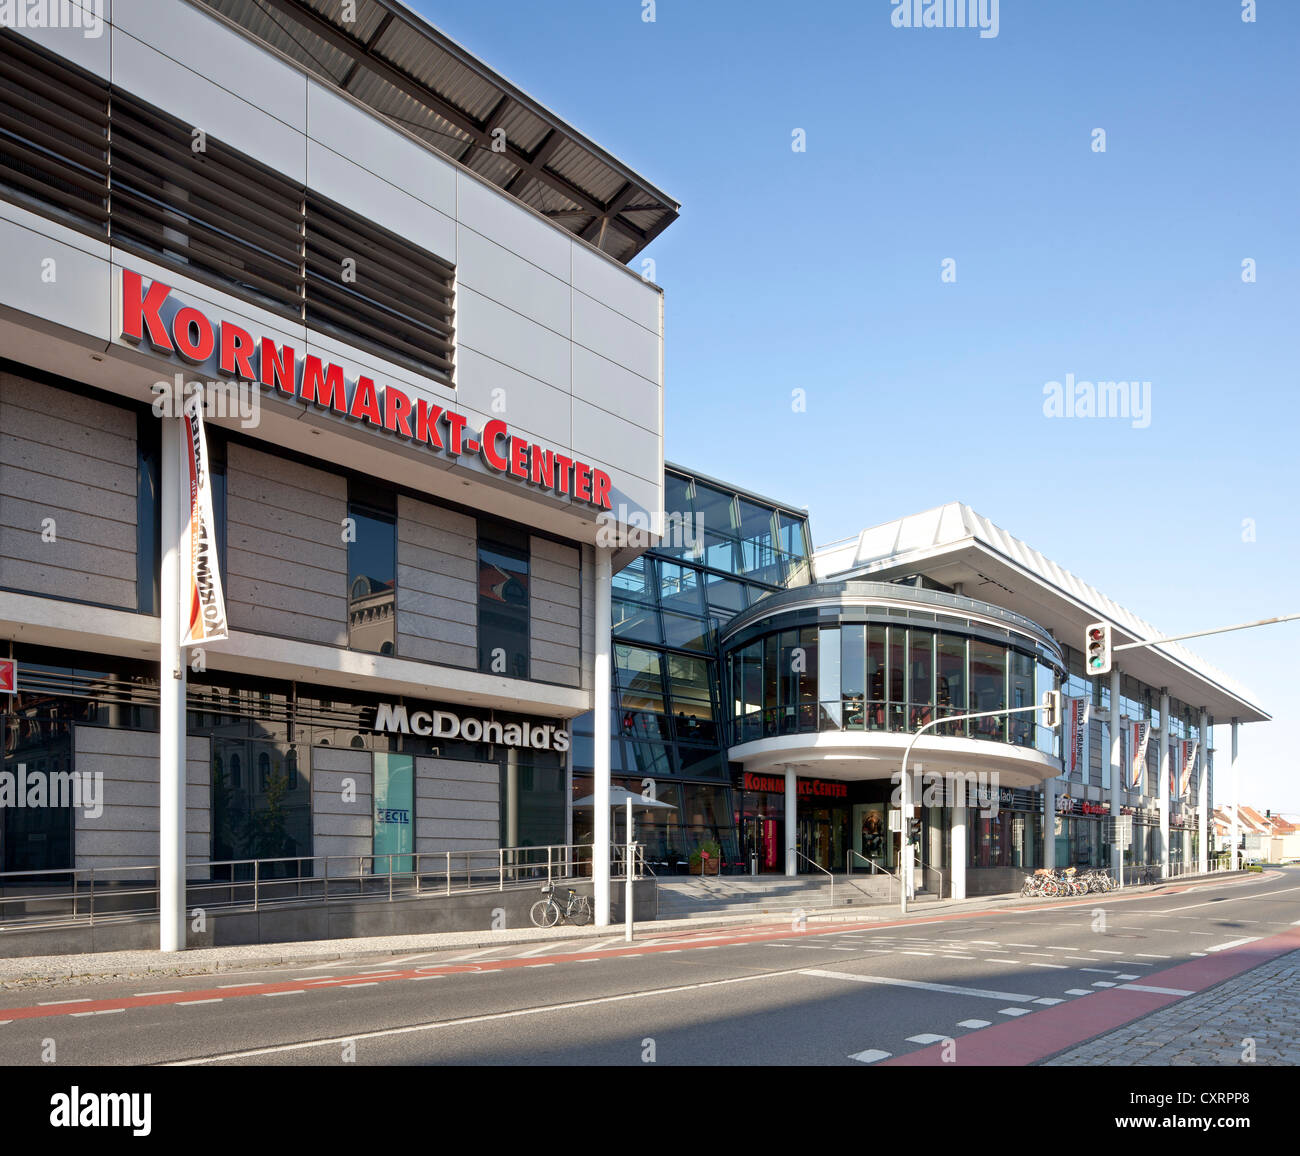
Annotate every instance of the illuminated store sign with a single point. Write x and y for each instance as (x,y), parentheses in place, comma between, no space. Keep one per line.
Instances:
(445,724)
(808,788)
(313,381)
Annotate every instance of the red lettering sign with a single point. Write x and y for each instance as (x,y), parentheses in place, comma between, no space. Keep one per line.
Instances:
(193,336)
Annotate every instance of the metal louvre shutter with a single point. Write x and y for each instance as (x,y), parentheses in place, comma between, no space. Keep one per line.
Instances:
(214,213)
(53,136)
(99,160)
(398,298)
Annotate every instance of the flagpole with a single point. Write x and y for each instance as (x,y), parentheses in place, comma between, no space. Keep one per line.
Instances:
(174,506)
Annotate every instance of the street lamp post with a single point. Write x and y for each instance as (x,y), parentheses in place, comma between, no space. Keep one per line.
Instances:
(1054,709)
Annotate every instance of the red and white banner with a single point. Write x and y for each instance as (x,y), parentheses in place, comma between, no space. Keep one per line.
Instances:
(8,676)
(1139,737)
(1076,738)
(203,608)
(1189,750)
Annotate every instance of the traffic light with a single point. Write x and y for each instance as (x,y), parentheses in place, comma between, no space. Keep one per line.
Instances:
(1096,648)
(913,832)
(1051,709)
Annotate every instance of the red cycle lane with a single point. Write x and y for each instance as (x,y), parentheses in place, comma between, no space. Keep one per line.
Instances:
(1036,1037)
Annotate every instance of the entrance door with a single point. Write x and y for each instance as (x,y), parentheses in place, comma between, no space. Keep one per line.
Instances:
(816,838)
(763,839)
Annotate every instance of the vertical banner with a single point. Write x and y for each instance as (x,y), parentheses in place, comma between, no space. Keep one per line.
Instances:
(1141,736)
(1189,751)
(1076,739)
(203,607)
(394,836)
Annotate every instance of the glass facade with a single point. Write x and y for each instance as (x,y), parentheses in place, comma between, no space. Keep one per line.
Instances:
(723,551)
(865,676)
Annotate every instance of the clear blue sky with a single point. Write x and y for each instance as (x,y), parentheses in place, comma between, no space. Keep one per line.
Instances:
(821,271)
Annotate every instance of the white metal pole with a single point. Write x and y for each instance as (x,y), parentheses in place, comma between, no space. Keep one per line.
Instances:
(171,694)
(603,704)
(1165,731)
(791,821)
(1203,798)
(959,852)
(627,893)
(904,847)
(1236,798)
(1116,772)
(1049,824)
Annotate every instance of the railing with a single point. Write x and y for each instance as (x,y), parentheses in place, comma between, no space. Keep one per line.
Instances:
(820,868)
(876,869)
(88,894)
(935,870)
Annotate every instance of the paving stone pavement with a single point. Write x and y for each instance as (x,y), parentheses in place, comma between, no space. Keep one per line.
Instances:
(1211,1029)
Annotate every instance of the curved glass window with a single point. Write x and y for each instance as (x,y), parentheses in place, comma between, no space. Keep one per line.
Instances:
(865,677)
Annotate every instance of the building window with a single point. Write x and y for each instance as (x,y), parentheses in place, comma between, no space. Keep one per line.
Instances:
(372,568)
(148,524)
(503,626)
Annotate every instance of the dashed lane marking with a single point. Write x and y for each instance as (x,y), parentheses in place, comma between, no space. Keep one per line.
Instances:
(1014,1011)
(1233,943)
(1078,991)
(870,1056)
(196,1002)
(926,1038)
(973,1023)
(1156,990)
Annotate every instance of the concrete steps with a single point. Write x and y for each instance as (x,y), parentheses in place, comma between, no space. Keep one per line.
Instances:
(735,895)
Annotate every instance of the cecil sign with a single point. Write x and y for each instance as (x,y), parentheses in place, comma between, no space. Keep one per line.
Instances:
(309,379)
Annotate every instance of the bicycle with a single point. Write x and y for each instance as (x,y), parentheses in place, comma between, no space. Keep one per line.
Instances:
(549,911)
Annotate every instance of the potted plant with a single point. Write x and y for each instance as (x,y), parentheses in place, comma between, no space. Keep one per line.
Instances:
(706,859)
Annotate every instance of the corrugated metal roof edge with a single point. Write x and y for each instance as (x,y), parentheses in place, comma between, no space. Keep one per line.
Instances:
(432,150)
(1088,595)
(418,25)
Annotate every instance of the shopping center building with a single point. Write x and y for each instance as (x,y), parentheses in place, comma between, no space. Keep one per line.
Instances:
(442,384)
(436,443)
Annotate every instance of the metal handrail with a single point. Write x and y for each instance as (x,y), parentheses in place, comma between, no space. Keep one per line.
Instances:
(302,877)
(820,868)
(937,870)
(876,868)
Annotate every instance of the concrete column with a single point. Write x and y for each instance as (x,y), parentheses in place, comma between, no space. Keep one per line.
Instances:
(512,797)
(1049,824)
(1165,765)
(173,506)
(603,703)
(1116,770)
(791,821)
(959,853)
(1203,798)
(1236,798)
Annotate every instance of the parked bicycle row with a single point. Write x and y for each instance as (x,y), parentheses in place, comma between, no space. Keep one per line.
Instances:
(1067,881)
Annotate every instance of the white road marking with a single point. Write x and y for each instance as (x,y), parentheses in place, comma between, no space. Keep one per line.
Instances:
(1014,1011)
(1002,961)
(556,947)
(1057,966)
(196,1002)
(57,1002)
(950,955)
(270,994)
(1157,990)
(1058,947)
(1099,970)
(916,953)
(1078,991)
(974,1023)
(372,983)
(919,985)
(1105,951)
(1010,944)
(1200,954)
(173,991)
(870,1056)
(1046,1000)
(1232,943)
(1128,977)
(105,1012)
(1103,983)
(541,965)
(378,1033)
(925,1038)
(473,954)
(1151,955)
(426,977)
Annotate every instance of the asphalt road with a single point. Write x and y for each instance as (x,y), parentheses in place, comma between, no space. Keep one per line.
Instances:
(1011,985)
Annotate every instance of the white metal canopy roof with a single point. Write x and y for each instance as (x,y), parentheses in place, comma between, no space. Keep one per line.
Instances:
(953,544)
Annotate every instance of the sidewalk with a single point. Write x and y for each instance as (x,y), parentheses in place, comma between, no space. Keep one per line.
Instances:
(1256,1012)
(26,970)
